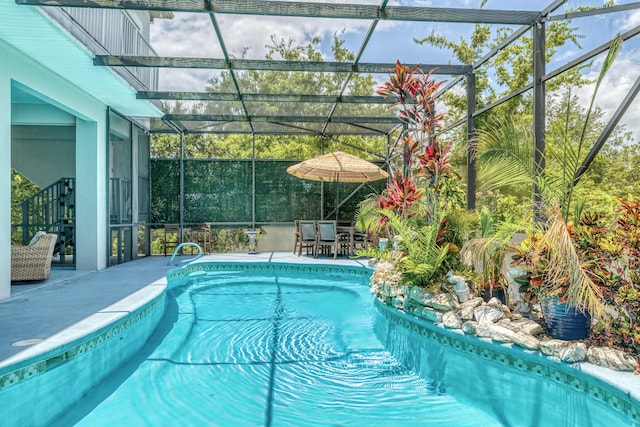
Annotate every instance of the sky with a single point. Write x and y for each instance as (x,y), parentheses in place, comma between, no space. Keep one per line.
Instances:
(193,35)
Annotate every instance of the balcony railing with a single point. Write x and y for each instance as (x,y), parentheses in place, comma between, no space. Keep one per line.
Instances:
(110,32)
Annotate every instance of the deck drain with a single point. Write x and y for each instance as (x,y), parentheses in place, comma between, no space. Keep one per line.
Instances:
(24,343)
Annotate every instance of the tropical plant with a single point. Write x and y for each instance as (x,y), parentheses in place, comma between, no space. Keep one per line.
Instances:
(401,193)
(508,161)
(414,208)
(401,197)
(506,155)
(413,93)
(424,256)
(487,252)
(614,251)
(565,274)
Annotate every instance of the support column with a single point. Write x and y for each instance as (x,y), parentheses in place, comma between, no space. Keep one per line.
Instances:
(471,135)
(253,180)
(322,183)
(91,202)
(5,186)
(539,113)
(181,211)
(134,192)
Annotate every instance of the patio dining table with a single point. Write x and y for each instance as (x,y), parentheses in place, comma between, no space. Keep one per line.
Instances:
(351,231)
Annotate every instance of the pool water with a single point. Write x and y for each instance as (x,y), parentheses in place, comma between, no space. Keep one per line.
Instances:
(288,349)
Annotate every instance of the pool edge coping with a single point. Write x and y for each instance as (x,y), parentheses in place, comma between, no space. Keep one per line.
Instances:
(532,361)
(33,361)
(99,326)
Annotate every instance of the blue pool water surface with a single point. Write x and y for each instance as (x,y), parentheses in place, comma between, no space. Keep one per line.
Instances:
(244,348)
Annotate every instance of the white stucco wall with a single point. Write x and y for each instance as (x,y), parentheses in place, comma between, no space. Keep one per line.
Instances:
(91,203)
(5,185)
(91,116)
(59,144)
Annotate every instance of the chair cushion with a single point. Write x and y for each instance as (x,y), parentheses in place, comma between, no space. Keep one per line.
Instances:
(37,236)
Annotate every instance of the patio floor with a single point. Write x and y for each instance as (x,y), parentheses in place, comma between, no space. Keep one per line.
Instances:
(38,311)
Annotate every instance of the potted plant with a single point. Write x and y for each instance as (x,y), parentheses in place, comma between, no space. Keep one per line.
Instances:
(486,254)
(253,233)
(558,272)
(522,269)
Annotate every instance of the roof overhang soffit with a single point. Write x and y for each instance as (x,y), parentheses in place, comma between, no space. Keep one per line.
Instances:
(310,10)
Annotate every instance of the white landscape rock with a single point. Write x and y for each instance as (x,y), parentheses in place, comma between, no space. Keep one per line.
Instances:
(611,358)
(528,326)
(489,320)
(553,347)
(483,330)
(431,314)
(444,302)
(466,309)
(500,334)
(419,295)
(487,314)
(451,320)
(469,327)
(575,352)
(398,302)
(495,302)
(526,340)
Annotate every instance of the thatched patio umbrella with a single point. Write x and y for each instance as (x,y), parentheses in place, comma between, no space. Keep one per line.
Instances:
(337,167)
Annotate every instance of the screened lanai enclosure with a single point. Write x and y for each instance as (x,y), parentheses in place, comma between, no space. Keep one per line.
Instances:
(248,88)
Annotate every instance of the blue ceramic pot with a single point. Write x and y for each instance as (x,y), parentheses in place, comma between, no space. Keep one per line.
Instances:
(565,322)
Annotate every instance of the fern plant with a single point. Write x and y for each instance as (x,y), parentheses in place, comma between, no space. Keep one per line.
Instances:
(423,258)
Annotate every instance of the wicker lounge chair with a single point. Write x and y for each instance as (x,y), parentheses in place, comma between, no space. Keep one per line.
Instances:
(33,262)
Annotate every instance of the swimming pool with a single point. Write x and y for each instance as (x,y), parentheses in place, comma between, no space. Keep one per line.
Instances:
(308,347)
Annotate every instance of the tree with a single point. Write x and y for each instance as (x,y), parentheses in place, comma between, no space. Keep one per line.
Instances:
(277,82)
(513,65)
(512,69)
(21,190)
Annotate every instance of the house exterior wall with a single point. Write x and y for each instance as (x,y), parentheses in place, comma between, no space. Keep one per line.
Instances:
(90,162)
(5,185)
(57,141)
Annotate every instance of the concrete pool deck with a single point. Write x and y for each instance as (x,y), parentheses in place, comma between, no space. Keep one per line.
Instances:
(38,311)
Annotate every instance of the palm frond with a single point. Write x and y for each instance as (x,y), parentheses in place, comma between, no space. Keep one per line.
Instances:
(489,250)
(367,215)
(505,154)
(614,49)
(564,268)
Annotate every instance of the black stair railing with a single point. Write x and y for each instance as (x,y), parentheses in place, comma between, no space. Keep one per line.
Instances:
(53,210)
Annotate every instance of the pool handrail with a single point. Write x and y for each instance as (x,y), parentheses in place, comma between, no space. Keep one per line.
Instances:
(186,261)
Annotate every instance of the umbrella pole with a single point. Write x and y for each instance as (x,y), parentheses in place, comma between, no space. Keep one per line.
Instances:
(337,199)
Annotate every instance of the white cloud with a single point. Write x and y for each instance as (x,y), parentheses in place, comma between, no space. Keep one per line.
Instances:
(186,35)
(629,21)
(184,79)
(193,35)
(614,88)
(255,32)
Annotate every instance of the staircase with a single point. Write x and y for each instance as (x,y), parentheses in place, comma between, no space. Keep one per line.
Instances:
(53,210)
